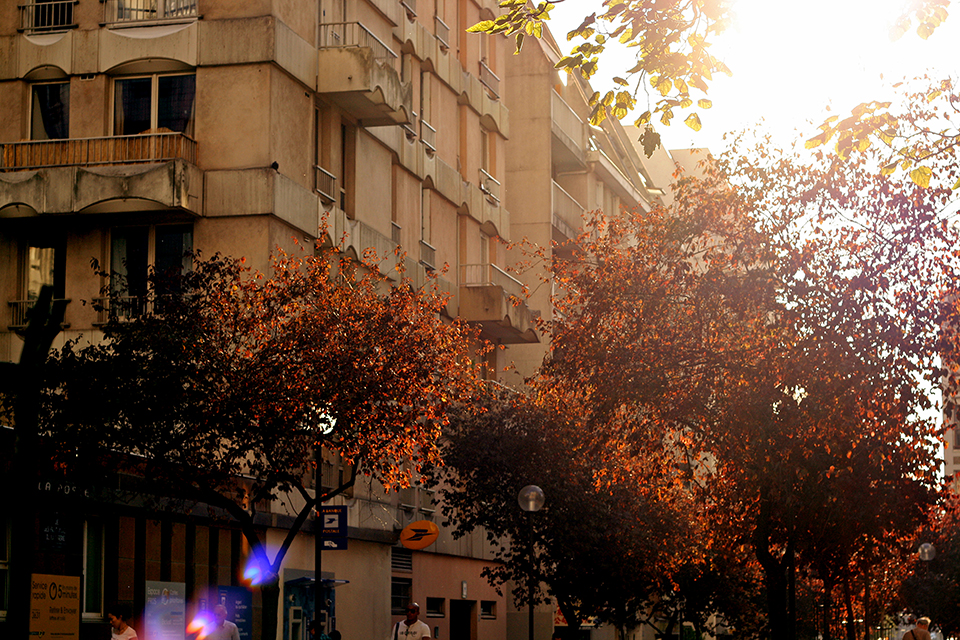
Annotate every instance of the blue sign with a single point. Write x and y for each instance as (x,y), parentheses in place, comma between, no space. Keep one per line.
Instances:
(239,604)
(333,521)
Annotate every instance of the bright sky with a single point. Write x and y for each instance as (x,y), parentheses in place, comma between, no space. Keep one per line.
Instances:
(790,59)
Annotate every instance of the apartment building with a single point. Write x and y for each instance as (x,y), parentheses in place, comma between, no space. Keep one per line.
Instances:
(136,130)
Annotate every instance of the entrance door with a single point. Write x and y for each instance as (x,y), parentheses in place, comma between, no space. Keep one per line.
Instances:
(462,617)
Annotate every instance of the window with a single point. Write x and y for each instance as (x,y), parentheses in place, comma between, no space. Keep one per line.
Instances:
(47,15)
(50,111)
(435,607)
(43,264)
(154,104)
(401,591)
(93,569)
(133,249)
(488,609)
(401,559)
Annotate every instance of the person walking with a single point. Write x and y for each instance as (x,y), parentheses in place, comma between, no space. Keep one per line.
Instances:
(919,632)
(411,628)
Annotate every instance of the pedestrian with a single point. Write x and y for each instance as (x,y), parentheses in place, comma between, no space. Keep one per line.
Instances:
(223,629)
(411,628)
(118,616)
(919,632)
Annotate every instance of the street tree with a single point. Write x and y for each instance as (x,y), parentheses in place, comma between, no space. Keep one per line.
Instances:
(778,328)
(223,386)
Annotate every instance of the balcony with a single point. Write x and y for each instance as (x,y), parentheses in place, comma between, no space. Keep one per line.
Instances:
(410,7)
(490,80)
(428,255)
(111,150)
(492,298)
(19,312)
(356,71)
(569,135)
(134,11)
(42,17)
(100,175)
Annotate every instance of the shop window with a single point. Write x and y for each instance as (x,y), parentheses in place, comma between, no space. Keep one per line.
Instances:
(154,104)
(401,594)
(50,111)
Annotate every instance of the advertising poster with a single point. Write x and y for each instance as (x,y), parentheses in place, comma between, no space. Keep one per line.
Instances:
(54,607)
(239,604)
(165,612)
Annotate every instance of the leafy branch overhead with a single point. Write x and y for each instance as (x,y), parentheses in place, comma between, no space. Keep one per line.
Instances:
(670,41)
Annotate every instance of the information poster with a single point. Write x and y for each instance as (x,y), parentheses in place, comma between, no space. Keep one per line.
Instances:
(165,612)
(239,604)
(54,607)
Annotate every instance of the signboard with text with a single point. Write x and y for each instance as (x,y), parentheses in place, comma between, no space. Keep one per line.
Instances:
(165,612)
(239,604)
(54,607)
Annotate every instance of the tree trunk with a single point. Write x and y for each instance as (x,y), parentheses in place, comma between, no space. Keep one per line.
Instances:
(270,596)
(851,627)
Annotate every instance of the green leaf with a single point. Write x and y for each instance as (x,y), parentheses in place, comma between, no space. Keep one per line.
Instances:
(693,121)
(921,176)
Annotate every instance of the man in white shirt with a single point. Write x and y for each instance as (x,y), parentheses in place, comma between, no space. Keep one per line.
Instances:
(411,628)
(223,629)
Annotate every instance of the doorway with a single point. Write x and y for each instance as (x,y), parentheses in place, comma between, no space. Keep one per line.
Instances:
(462,620)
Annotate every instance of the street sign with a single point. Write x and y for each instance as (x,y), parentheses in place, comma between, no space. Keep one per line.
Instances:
(335,544)
(333,521)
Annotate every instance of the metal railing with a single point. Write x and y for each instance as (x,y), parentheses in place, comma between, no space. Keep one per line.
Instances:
(122,308)
(115,11)
(428,255)
(488,274)
(567,210)
(47,16)
(490,80)
(395,232)
(490,186)
(442,32)
(353,34)
(326,184)
(428,136)
(410,6)
(20,310)
(153,147)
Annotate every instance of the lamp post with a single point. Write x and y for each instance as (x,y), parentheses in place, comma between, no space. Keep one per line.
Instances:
(927,552)
(531,500)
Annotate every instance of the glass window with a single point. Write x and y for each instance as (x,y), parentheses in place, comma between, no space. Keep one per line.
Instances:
(488,609)
(50,111)
(133,249)
(93,569)
(401,590)
(435,607)
(44,260)
(154,104)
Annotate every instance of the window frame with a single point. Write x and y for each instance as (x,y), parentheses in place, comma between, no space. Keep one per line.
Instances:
(86,613)
(154,100)
(31,115)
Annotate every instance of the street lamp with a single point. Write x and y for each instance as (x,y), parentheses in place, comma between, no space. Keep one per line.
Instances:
(531,500)
(927,552)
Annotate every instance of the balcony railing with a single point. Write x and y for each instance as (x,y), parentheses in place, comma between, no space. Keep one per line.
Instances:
(152,147)
(490,186)
(326,185)
(410,6)
(490,80)
(442,32)
(428,136)
(488,274)
(567,120)
(428,255)
(20,309)
(567,212)
(122,308)
(39,16)
(353,34)
(115,11)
